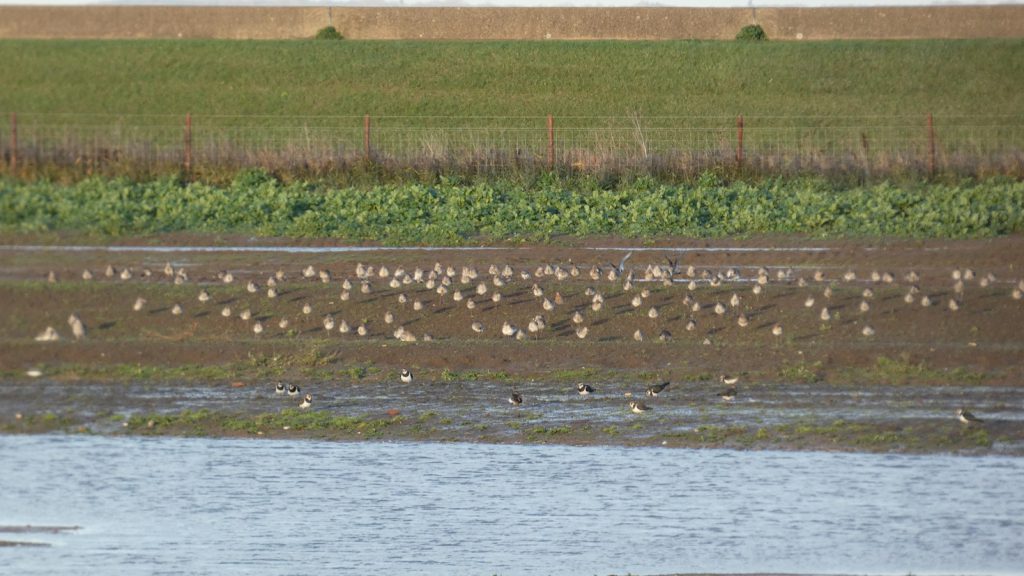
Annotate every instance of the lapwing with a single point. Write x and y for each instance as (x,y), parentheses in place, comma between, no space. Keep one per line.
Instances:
(967,418)
(515,398)
(638,407)
(293,390)
(307,401)
(584,389)
(655,389)
(406,376)
(279,389)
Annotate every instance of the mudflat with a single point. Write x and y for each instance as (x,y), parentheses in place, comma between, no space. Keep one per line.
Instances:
(877,353)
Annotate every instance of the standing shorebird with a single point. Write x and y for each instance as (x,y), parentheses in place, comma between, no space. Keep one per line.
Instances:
(584,389)
(655,389)
(406,376)
(293,390)
(729,394)
(77,327)
(307,401)
(279,389)
(967,418)
(638,407)
(515,398)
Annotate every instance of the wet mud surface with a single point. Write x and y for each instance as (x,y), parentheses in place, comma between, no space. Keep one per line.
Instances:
(820,384)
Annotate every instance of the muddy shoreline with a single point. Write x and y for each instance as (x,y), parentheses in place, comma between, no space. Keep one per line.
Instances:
(820,385)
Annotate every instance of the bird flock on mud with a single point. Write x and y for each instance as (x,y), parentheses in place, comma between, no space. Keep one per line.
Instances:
(442,287)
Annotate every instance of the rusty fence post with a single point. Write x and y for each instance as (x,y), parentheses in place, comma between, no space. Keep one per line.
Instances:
(366,136)
(551,142)
(867,154)
(188,143)
(739,140)
(931,147)
(14,143)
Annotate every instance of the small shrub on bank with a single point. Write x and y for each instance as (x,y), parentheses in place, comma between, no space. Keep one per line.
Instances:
(328,33)
(753,33)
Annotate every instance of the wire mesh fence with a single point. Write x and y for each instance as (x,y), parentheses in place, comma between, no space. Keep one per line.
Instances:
(882,145)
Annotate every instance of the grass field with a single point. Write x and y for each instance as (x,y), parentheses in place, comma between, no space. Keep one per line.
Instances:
(846,110)
(677,78)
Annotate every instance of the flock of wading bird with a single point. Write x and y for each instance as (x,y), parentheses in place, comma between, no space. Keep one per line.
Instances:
(430,289)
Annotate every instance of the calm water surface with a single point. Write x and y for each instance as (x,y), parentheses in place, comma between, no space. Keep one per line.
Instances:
(216,506)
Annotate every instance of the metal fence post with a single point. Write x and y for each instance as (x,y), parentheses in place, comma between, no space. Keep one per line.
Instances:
(551,142)
(188,143)
(931,147)
(366,136)
(14,142)
(739,140)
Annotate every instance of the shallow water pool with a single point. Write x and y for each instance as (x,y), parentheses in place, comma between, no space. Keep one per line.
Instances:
(225,506)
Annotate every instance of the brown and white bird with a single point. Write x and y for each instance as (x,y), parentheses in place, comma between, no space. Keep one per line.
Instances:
(967,418)
(77,326)
(638,407)
(515,398)
(654,389)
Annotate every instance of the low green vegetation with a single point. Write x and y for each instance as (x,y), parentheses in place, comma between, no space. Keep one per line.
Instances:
(451,213)
(202,422)
(904,370)
(809,434)
(752,33)
(328,33)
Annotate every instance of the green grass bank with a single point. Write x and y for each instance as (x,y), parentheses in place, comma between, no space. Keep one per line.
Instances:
(446,78)
(452,213)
